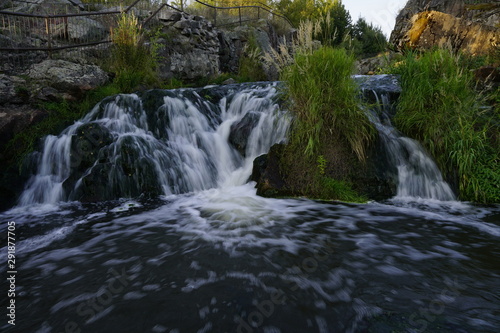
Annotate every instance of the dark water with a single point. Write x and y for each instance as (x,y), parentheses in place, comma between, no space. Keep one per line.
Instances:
(225,260)
(220,258)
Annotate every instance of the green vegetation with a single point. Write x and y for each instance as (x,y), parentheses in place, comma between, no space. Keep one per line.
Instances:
(325,100)
(328,187)
(250,67)
(335,25)
(133,62)
(329,125)
(367,40)
(440,107)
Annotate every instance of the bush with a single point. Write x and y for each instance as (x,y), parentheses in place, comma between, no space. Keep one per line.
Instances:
(330,131)
(325,100)
(440,107)
(132,61)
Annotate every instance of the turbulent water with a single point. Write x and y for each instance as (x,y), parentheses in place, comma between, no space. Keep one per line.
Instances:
(218,258)
(418,175)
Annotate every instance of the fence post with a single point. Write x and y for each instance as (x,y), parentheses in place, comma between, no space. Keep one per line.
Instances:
(258,13)
(215,16)
(49,35)
(239,14)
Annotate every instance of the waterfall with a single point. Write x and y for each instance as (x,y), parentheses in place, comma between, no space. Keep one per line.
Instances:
(163,142)
(160,142)
(418,175)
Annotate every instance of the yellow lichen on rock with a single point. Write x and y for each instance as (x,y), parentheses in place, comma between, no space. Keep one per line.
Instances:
(435,29)
(420,23)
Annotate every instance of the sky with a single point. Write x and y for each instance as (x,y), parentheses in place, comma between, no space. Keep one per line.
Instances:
(379,13)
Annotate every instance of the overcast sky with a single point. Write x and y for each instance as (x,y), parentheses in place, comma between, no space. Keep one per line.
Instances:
(379,13)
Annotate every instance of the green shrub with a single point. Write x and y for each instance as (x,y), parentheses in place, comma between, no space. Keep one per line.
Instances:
(330,131)
(330,188)
(440,107)
(131,60)
(325,100)
(250,66)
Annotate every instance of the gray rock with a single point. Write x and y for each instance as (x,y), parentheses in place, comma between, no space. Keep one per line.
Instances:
(241,130)
(456,8)
(6,89)
(84,29)
(169,15)
(67,77)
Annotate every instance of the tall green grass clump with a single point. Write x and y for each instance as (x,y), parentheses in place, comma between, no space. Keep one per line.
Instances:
(131,60)
(440,107)
(250,66)
(325,100)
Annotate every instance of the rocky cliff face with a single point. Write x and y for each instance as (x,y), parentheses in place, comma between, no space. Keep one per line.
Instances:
(423,24)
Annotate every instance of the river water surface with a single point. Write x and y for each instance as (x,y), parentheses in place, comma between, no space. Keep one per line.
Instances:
(209,255)
(226,260)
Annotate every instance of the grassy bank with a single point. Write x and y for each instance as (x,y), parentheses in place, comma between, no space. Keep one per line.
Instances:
(440,107)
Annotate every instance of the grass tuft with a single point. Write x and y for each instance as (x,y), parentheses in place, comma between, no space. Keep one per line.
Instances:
(325,100)
(440,107)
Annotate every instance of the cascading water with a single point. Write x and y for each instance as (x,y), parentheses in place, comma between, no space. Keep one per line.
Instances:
(418,175)
(214,257)
(161,142)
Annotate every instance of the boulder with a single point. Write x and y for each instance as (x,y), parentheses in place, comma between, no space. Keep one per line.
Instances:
(267,174)
(84,29)
(483,14)
(14,119)
(68,78)
(241,130)
(13,90)
(430,29)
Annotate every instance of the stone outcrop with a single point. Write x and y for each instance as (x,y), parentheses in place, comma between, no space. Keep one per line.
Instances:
(14,119)
(189,47)
(233,43)
(60,79)
(424,24)
(376,179)
(431,29)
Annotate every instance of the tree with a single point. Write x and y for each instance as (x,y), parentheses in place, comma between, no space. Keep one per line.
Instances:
(296,10)
(371,40)
(335,21)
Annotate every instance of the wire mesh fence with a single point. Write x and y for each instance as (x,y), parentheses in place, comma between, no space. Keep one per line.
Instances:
(33,30)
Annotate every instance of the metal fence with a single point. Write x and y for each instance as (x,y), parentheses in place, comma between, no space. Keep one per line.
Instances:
(231,15)
(30,32)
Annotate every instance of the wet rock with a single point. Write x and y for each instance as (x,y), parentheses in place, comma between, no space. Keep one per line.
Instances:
(241,130)
(372,86)
(15,119)
(267,174)
(86,144)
